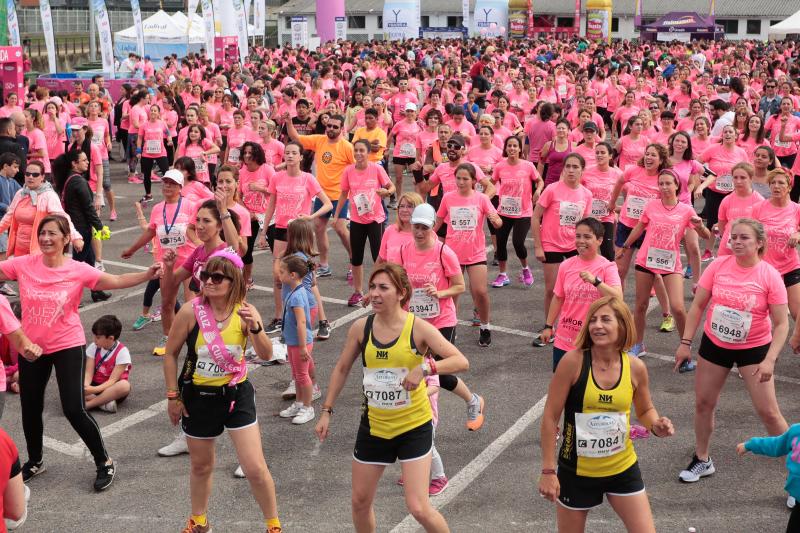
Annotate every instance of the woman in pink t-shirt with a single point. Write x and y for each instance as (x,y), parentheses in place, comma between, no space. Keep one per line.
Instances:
(625,112)
(740,204)
(238,134)
(689,172)
(701,138)
(630,147)
(54,131)
(50,287)
(254,178)
(198,148)
(37,149)
(666,221)
(581,280)
(518,188)
(746,325)
(193,189)
(753,136)
(273,148)
(399,234)
(784,123)
(600,179)
(404,134)
(364,184)
(11,105)
(150,148)
(559,208)
(464,211)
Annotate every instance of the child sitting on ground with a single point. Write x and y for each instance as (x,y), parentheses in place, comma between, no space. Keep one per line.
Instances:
(108,364)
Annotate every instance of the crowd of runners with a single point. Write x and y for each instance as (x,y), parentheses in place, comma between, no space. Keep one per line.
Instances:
(679,158)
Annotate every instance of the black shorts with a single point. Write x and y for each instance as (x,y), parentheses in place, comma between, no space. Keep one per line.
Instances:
(464,267)
(622,235)
(791,278)
(210,411)
(275,233)
(645,270)
(409,446)
(403,160)
(580,493)
(727,358)
(554,258)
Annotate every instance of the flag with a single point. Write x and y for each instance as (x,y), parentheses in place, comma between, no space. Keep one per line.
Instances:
(47,29)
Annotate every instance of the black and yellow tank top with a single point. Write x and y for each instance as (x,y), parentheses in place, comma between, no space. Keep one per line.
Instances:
(206,372)
(596,440)
(388,410)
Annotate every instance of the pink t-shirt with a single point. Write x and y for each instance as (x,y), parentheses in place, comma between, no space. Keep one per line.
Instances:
(96,159)
(55,141)
(365,204)
(435,265)
(563,208)
(446,175)
(50,298)
(38,141)
(405,142)
(255,201)
(244,216)
(236,138)
(585,151)
(197,260)
(8,325)
(660,251)
(152,136)
(464,216)
(773,127)
(538,133)
(164,217)
(293,196)
(743,296)
(99,127)
(273,151)
(577,295)
(484,158)
(631,151)
(515,185)
(197,153)
(600,184)
(721,160)
(684,169)
(393,239)
(196,192)
(640,188)
(732,207)
(780,223)
(137,116)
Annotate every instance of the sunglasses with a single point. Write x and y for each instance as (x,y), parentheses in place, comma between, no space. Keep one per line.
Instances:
(216,277)
(332,127)
(453,146)
(33,174)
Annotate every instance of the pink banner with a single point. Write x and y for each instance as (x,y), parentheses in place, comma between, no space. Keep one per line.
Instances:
(327,11)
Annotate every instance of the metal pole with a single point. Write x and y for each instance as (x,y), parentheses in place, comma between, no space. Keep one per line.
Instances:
(92,43)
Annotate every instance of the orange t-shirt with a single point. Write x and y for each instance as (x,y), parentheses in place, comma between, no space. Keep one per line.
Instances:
(331,159)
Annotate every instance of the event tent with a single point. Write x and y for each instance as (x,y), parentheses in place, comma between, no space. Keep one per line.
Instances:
(790,25)
(163,35)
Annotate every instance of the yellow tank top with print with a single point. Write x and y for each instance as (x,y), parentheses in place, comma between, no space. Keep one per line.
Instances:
(206,371)
(596,437)
(388,410)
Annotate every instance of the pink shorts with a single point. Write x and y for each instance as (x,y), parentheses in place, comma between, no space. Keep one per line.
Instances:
(301,370)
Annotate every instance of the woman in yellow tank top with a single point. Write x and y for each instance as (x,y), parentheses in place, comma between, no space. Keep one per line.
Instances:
(215,390)
(594,390)
(396,413)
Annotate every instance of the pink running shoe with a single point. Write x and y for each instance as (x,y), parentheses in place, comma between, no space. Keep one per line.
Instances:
(113,216)
(355,299)
(501,281)
(437,486)
(526,277)
(707,256)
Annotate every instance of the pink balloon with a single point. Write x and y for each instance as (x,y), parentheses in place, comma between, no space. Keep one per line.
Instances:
(502,30)
(483,31)
(493,25)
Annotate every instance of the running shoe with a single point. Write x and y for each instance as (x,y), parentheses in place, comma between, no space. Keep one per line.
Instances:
(113,216)
(485,338)
(392,203)
(6,290)
(290,393)
(274,327)
(146,199)
(538,342)
(707,256)
(476,319)
(31,470)
(495,262)
(105,477)
(687,273)
(176,447)
(316,392)
(324,271)
(668,324)
(475,413)
(355,299)
(291,411)
(790,502)
(526,277)
(687,366)
(696,470)
(161,349)
(135,179)
(155,313)
(155,178)
(305,414)
(275,529)
(100,296)
(323,330)
(349,276)
(239,473)
(437,486)
(501,281)
(99,266)
(637,350)
(109,407)
(192,527)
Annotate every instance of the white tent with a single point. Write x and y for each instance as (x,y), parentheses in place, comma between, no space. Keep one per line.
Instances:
(163,36)
(790,25)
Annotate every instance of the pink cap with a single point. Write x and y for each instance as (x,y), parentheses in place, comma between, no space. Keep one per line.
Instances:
(79,122)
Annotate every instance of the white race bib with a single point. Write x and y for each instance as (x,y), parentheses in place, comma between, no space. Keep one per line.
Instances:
(261,218)
(782,144)
(97,137)
(407,150)
(363,204)
(207,368)
(423,305)
(725,183)
(635,207)
(233,155)
(660,259)
(176,237)
(153,146)
(199,164)
(599,208)
(464,218)
(383,388)
(683,113)
(600,434)
(510,205)
(730,325)
(569,213)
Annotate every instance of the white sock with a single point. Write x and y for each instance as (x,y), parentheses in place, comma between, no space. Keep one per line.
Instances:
(484,326)
(503,274)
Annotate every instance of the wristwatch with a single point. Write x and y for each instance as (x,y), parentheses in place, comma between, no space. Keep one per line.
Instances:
(257,330)
(597,281)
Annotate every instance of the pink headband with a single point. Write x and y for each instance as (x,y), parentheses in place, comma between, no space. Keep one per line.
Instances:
(231,256)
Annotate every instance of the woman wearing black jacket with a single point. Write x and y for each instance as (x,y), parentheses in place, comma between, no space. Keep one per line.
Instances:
(69,170)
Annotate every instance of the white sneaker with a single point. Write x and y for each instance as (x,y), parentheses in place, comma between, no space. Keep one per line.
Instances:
(110,407)
(99,266)
(790,502)
(176,447)
(306,414)
(316,394)
(239,473)
(292,411)
(290,393)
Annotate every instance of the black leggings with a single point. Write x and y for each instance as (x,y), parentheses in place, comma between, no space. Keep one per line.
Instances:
(787,162)
(713,201)
(153,286)
(147,169)
(447,381)
(247,258)
(607,246)
(794,520)
(33,378)
(359,233)
(518,228)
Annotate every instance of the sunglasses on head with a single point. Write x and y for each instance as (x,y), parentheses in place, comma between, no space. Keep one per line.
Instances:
(33,174)
(216,277)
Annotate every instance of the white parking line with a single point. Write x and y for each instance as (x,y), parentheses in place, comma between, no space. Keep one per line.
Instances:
(469,473)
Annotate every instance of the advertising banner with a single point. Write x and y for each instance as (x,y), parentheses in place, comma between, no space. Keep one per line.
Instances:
(104,31)
(341,28)
(137,22)
(491,17)
(400,19)
(299,32)
(13,24)
(47,29)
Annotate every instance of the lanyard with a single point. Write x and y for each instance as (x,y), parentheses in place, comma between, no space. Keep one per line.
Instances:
(168,227)
(99,363)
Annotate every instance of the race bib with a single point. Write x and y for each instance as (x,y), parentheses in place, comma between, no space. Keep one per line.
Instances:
(599,208)
(261,218)
(423,305)
(363,204)
(683,113)
(97,138)
(781,144)
(510,205)
(207,368)
(233,155)
(635,207)
(153,146)
(569,213)
(175,238)
(200,165)
(725,183)
(383,388)
(600,434)
(730,325)
(660,259)
(408,150)
(464,218)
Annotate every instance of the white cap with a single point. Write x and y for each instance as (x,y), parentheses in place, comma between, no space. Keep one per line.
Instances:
(424,214)
(175,175)
(411,106)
